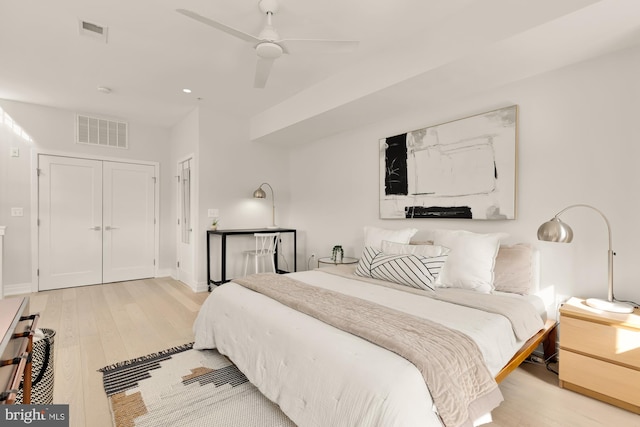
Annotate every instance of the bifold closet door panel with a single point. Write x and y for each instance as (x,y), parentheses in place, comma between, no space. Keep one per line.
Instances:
(128,218)
(70,216)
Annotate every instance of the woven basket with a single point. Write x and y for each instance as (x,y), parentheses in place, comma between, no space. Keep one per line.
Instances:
(42,358)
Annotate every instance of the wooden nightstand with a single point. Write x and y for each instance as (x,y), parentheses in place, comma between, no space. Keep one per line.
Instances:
(600,354)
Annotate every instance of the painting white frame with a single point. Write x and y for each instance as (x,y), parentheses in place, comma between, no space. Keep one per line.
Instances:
(464,168)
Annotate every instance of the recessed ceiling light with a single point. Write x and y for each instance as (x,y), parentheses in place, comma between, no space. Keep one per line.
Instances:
(186,90)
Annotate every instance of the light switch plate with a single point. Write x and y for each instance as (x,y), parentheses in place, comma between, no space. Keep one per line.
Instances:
(15,152)
(17,212)
(213,213)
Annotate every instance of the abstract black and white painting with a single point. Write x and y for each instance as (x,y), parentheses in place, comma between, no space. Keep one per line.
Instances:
(465,168)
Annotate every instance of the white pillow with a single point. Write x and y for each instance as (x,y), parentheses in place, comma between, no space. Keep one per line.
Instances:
(516,269)
(373,236)
(471,260)
(392,248)
(415,271)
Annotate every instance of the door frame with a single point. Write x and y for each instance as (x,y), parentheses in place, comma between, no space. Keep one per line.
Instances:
(194,215)
(35,241)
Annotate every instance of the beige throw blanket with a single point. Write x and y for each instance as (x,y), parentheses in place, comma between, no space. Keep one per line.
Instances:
(449,361)
(525,319)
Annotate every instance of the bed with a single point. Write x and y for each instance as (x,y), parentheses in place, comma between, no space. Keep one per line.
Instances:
(322,375)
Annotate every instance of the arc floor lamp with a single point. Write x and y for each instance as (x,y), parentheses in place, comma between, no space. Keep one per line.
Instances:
(555,230)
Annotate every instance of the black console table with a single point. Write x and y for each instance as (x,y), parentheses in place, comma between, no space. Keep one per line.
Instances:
(235,232)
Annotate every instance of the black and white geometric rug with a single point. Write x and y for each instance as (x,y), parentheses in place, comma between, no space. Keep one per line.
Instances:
(184,387)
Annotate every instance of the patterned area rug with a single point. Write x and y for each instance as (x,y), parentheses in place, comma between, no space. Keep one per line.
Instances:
(185,387)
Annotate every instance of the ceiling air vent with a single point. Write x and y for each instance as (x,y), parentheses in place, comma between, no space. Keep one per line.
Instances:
(94,31)
(103,132)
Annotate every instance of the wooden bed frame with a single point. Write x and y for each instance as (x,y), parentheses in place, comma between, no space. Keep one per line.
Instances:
(547,336)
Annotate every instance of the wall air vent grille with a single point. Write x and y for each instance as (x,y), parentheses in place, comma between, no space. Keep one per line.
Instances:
(94,31)
(88,26)
(103,132)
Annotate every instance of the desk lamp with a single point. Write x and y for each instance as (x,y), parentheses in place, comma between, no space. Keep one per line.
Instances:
(555,230)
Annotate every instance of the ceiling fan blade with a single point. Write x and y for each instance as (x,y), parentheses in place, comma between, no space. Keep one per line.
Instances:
(318,46)
(263,69)
(217,25)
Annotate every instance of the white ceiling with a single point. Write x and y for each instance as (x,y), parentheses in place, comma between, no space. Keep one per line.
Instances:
(153,53)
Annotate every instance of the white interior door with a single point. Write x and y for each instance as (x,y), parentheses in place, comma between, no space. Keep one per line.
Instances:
(70,215)
(96,222)
(185,262)
(129,221)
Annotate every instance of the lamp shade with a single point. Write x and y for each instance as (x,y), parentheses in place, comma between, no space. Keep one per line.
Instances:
(259,193)
(555,230)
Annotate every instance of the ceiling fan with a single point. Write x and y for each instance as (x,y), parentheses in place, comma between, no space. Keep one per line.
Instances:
(268,44)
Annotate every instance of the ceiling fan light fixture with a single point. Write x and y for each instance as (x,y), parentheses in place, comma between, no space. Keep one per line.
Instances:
(268,50)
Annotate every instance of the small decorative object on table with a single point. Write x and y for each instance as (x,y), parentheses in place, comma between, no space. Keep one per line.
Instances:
(337,253)
(214,224)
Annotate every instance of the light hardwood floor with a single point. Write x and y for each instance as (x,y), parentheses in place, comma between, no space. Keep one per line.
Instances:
(103,324)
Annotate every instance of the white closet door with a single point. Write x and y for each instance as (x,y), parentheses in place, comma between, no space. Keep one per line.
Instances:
(128,211)
(70,231)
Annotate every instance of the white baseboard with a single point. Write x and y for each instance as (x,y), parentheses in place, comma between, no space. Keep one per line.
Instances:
(166,272)
(201,287)
(17,289)
(198,287)
(25,288)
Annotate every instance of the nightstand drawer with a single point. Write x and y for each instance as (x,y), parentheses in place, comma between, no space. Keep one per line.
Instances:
(609,342)
(612,380)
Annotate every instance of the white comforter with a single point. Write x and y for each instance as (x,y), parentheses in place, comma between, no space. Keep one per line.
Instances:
(321,376)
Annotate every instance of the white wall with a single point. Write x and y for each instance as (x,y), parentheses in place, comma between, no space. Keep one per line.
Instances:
(578,143)
(229,169)
(52,129)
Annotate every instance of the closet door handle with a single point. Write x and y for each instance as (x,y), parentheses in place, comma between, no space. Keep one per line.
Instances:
(96,228)
(108,227)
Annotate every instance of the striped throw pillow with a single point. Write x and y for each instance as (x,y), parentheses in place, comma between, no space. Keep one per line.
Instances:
(416,271)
